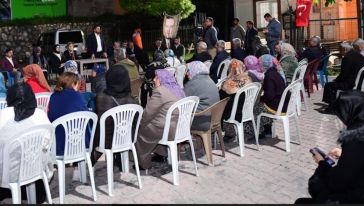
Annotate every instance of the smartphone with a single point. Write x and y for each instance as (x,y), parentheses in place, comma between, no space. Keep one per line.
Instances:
(322,153)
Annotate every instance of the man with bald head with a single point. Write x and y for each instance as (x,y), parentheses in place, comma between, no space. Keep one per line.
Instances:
(201,53)
(352,62)
(313,51)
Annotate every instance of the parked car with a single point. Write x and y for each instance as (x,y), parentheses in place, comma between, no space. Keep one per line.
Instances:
(48,39)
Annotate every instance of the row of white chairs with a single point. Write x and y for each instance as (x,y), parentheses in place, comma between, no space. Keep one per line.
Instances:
(42,101)
(75,126)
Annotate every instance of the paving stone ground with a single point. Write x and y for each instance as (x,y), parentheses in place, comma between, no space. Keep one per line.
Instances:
(270,175)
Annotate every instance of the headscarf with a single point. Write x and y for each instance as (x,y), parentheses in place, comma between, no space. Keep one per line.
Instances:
(34,71)
(196,68)
(268,61)
(22,98)
(349,108)
(117,81)
(252,65)
(71,66)
(169,81)
(2,84)
(287,49)
(236,68)
(168,53)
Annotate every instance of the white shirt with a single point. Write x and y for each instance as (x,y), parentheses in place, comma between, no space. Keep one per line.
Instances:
(58,55)
(11,61)
(99,46)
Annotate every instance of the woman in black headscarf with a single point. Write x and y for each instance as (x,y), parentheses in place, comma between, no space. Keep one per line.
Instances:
(21,114)
(343,183)
(117,92)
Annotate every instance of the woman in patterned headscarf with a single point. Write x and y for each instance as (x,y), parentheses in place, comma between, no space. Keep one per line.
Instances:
(165,93)
(288,61)
(252,65)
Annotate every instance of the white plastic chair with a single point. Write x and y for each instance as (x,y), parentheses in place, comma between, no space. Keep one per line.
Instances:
(223,69)
(3,103)
(186,108)
(123,139)
(75,126)
(180,74)
(43,100)
(294,89)
(358,77)
(31,168)
(301,70)
(208,63)
(251,92)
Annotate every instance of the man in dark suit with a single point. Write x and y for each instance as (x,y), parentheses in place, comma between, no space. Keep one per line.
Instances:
(96,44)
(220,56)
(251,32)
(179,49)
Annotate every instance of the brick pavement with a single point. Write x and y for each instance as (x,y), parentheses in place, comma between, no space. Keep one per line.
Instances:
(267,176)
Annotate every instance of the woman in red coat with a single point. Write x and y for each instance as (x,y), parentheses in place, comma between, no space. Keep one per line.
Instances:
(33,75)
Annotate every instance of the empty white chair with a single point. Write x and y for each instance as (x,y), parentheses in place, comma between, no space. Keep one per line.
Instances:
(359,78)
(186,108)
(123,138)
(3,103)
(223,69)
(294,89)
(43,100)
(300,71)
(29,145)
(251,92)
(75,126)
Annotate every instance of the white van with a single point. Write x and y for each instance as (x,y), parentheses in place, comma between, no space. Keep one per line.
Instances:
(48,39)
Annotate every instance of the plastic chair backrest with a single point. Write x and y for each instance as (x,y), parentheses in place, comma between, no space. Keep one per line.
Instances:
(123,117)
(3,103)
(217,110)
(135,86)
(186,108)
(359,82)
(301,70)
(208,63)
(303,61)
(251,92)
(43,100)
(75,127)
(31,153)
(294,90)
(180,74)
(223,69)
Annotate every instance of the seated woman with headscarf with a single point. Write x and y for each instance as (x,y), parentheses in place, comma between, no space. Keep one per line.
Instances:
(344,182)
(172,60)
(22,113)
(166,92)
(117,92)
(2,86)
(200,84)
(252,65)
(33,75)
(288,61)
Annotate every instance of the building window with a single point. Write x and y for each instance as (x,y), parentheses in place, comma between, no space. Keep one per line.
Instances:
(262,7)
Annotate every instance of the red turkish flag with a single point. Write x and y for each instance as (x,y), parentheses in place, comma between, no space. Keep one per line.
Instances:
(303,8)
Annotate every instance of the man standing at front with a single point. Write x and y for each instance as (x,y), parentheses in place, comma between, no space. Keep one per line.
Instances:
(210,36)
(96,44)
(273,32)
(237,30)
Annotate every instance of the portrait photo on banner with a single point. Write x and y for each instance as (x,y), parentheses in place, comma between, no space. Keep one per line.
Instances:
(170,26)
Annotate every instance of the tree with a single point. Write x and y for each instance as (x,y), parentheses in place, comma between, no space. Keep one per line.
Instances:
(158,7)
(328,2)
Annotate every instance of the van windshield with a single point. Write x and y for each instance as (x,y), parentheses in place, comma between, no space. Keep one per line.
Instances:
(73,36)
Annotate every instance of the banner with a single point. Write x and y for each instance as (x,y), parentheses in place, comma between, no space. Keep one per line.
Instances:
(170,26)
(303,8)
(22,9)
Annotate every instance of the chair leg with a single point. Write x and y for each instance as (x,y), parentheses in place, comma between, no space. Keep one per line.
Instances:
(304,98)
(83,172)
(46,186)
(15,193)
(125,161)
(286,134)
(240,130)
(256,134)
(173,150)
(273,129)
(222,145)
(92,177)
(61,181)
(193,155)
(110,170)
(32,199)
(206,138)
(298,130)
(135,157)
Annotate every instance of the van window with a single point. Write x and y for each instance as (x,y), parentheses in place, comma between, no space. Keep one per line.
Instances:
(73,36)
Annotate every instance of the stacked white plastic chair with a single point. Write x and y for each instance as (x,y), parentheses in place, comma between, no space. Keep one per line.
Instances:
(294,90)
(360,76)
(75,126)
(123,139)
(223,69)
(29,144)
(300,72)
(43,100)
(186,108)
(251,92)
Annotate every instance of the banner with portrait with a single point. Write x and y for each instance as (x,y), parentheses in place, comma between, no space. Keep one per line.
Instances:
(170,25)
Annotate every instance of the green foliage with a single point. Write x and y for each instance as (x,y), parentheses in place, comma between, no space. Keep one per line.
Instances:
(158,7)
(327,2)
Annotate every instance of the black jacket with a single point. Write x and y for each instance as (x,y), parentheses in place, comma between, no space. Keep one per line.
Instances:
(210,37)
(249,38)
(68,56)
(54,63)
(273,88)
(311,53)
(203,56)
(92,44)
(221,56)
(238,53)
(345,181)
(351,64)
